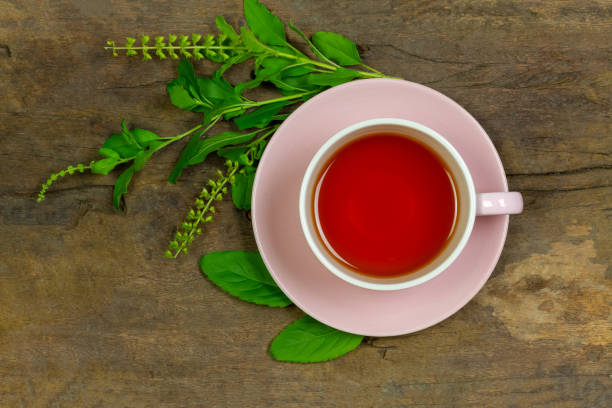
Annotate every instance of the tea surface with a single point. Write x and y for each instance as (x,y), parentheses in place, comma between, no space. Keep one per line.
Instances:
(385,205)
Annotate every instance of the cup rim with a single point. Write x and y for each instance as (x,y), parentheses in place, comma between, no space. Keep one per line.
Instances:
(304,204)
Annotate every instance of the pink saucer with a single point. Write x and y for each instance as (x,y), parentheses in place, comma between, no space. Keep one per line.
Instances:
(282,244)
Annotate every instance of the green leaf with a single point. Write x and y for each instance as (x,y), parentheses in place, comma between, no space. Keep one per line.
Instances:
(236,59)
(260,117)
(243,188)
(289,49)
(126,145)
(217,88)
(283,73)
(266,26)
(104,166)
(186,154)
(260,148)
(227,29)
(180,97)
(212,144)
(250,41)
(245,160)
(220,94)
(104,151)
(297,70)
(122,145)
(121,185)
(211,96)
(244,275)
(185,70)
(340,76)
(337,48)
(292,85)
(233,113)
(233,152)
(198,149)
(313,48)
(271,65)
(141,158)
(144,137)
(266,70)
(309,341)
(185,92)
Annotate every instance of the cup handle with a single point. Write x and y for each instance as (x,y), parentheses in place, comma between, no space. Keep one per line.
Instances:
(499,203)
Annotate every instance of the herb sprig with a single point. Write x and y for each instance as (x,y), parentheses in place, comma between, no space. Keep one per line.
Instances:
(203,210)
(297,77)
(70,170)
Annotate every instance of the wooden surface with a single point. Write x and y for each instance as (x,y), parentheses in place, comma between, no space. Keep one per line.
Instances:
(92,316)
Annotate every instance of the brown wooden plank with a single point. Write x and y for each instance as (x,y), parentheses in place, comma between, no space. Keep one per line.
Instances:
(91,315)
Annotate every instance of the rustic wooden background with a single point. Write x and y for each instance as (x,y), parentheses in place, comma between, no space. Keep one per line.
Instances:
(92,316)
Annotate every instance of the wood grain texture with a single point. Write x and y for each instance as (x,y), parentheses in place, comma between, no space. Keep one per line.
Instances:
(92,316)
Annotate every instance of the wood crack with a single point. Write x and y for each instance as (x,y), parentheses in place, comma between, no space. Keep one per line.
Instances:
(561,190)
(563,172)
(382,350)
(421,57)
(510,378)
(440,60)
(56,191)
(148,84)
(11,156)
(566,151)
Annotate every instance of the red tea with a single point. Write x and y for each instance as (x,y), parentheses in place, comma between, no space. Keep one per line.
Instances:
(385,205)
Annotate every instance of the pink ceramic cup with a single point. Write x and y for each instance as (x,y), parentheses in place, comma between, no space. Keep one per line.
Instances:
(472,204)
